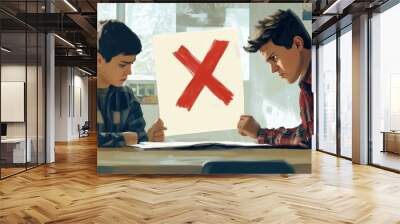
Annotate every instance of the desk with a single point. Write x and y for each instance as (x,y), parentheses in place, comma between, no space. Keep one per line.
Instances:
(16,148)
(391,141)
(129,160)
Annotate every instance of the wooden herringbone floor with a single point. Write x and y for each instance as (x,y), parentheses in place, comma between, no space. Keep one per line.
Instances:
(70,191)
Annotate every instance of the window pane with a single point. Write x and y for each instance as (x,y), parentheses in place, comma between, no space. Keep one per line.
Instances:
(106,11)
(385,88)
(346,94)
(13,82)
(31,99)
(147,20)
(327,96)
(41,99)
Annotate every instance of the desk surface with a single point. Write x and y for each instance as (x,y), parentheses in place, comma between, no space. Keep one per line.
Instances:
(129,160)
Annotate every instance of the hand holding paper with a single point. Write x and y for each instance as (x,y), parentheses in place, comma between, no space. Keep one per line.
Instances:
(199,80)
(156,132)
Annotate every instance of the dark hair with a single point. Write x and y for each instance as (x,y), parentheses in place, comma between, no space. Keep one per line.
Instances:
(116,38)
(280,28)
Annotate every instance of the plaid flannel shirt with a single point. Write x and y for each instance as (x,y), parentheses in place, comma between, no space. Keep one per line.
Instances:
(300,135)
(121,113)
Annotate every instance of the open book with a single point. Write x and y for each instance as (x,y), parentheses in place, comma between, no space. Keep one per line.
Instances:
(198,145)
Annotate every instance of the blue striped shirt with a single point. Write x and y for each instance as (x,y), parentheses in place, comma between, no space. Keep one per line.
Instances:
(118,111)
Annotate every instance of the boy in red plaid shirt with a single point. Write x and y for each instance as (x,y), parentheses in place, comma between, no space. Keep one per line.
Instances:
(286,45)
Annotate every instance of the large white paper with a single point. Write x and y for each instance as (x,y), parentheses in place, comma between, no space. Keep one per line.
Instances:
(208,113)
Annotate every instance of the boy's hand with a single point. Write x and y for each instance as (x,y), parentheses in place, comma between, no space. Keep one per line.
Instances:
(248,126)
(156,132)
(130,138)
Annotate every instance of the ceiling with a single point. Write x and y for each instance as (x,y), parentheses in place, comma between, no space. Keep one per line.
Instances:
(332,15)
(76,23)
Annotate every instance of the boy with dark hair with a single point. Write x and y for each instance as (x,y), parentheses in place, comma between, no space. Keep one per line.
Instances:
(285,44)
(119,115)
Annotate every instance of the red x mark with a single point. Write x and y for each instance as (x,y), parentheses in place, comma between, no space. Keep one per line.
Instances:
(202,74)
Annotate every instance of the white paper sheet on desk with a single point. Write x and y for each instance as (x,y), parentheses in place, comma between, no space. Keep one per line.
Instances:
(174,145)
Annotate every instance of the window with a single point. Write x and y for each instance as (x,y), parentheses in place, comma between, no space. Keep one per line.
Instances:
(162,21)
(346,93)
(327,95)
(394,101)
(22,65)
(385,85)
(106,11)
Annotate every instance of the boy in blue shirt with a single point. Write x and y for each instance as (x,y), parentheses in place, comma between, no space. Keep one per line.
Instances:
(119,115)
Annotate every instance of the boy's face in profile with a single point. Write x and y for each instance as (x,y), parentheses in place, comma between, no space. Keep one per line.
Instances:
(285,62)
(116,71)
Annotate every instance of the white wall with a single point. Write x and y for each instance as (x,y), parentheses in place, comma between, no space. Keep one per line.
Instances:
(69,85)
(61,103)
